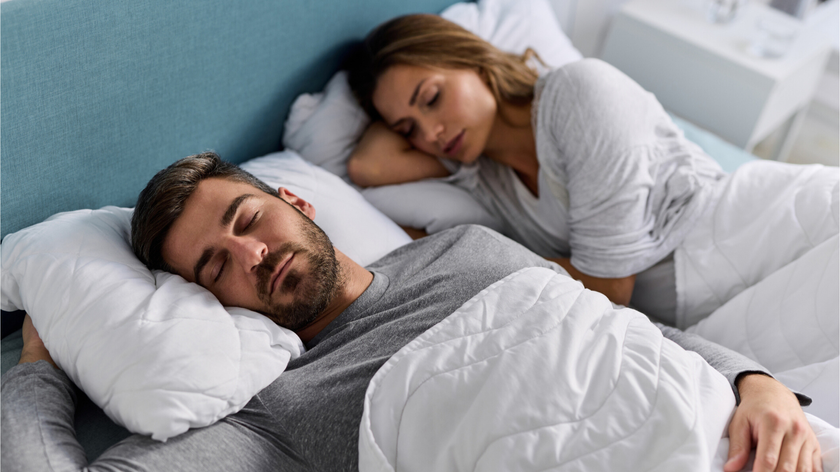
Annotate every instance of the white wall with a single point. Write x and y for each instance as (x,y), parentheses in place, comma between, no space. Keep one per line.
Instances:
(586,21)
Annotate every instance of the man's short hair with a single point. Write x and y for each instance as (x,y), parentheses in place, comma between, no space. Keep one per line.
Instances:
(163,199)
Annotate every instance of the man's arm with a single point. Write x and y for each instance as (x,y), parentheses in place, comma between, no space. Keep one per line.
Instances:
(33,390)
(37,415)
(768,416)
(38,433)
(726,361)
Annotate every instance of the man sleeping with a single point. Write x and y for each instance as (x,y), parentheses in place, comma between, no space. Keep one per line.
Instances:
(252,247)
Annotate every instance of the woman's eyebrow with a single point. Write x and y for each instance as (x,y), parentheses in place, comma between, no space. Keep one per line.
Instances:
(414,95)
(410,103)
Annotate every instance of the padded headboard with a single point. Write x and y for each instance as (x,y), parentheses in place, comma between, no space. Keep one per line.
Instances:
(98,96)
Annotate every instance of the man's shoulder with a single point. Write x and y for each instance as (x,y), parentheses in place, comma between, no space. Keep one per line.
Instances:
(461,244)
(470,232)
(446,239)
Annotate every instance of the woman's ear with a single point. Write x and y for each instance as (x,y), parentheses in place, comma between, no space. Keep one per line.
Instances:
(305,207)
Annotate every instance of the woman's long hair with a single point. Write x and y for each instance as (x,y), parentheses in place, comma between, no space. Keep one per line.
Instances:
(431,41)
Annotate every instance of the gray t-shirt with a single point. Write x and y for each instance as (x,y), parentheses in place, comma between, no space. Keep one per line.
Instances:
(307,419)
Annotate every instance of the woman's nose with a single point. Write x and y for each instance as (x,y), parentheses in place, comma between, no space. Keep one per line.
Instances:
(433,131)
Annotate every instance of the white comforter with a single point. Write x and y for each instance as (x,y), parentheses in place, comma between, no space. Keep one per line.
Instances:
(759,274)
(536,373)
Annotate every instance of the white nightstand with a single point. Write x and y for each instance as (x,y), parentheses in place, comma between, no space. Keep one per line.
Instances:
(705,73)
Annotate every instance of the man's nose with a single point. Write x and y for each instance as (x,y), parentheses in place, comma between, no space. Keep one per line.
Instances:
(249,252)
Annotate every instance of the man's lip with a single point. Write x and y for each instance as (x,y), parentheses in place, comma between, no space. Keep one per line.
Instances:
(282,270)
(454,145)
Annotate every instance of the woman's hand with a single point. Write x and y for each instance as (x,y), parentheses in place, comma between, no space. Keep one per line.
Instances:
(383,157)
(33,347)
(770,418)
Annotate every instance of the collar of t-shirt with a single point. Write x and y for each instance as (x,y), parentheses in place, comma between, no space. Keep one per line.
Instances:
(368,298)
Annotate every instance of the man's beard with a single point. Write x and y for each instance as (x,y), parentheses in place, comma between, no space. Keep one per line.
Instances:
(319,287)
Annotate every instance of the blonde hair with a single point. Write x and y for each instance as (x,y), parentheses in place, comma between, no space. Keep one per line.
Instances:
(431,41)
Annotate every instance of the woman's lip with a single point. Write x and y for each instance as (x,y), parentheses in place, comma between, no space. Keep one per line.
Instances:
(454,145)
(282,269)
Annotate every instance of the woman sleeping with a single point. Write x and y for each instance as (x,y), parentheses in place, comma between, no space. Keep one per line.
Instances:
(585,168)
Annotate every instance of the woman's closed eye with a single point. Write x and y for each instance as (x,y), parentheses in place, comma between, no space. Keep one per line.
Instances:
(407,133)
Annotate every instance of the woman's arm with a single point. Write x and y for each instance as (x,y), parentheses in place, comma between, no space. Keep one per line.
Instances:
(414,233)
(384,157)
(617,290)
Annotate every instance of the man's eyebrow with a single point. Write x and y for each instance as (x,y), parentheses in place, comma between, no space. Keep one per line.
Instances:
(231,210)
(202,261)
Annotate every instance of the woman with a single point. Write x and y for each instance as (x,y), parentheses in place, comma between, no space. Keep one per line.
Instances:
(583,166)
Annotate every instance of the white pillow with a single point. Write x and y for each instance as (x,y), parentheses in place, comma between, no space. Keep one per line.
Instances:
(325,127)
(515,25)
(158,354)
(433,205)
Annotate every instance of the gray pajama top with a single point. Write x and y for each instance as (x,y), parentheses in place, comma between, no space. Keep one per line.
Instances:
(619,185)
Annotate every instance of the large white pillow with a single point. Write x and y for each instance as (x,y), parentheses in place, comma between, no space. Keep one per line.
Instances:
(158,354)
(515,25)
(433,205)
(325,127)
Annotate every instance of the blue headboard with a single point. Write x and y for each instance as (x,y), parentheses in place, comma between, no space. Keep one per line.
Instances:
(98,96)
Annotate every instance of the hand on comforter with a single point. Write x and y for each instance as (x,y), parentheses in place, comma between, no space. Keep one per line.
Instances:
(770,418)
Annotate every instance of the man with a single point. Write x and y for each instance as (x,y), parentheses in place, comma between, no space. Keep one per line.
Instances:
(216,225)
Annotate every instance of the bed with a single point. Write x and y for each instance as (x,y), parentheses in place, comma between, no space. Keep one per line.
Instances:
(98,97)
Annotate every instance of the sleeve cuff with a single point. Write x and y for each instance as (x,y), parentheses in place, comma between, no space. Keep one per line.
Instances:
(804,400)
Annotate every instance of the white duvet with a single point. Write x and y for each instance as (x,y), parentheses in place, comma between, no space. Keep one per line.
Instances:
(759,275)
(536,373)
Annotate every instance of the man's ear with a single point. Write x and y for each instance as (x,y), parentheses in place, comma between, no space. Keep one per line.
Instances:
(297,202)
